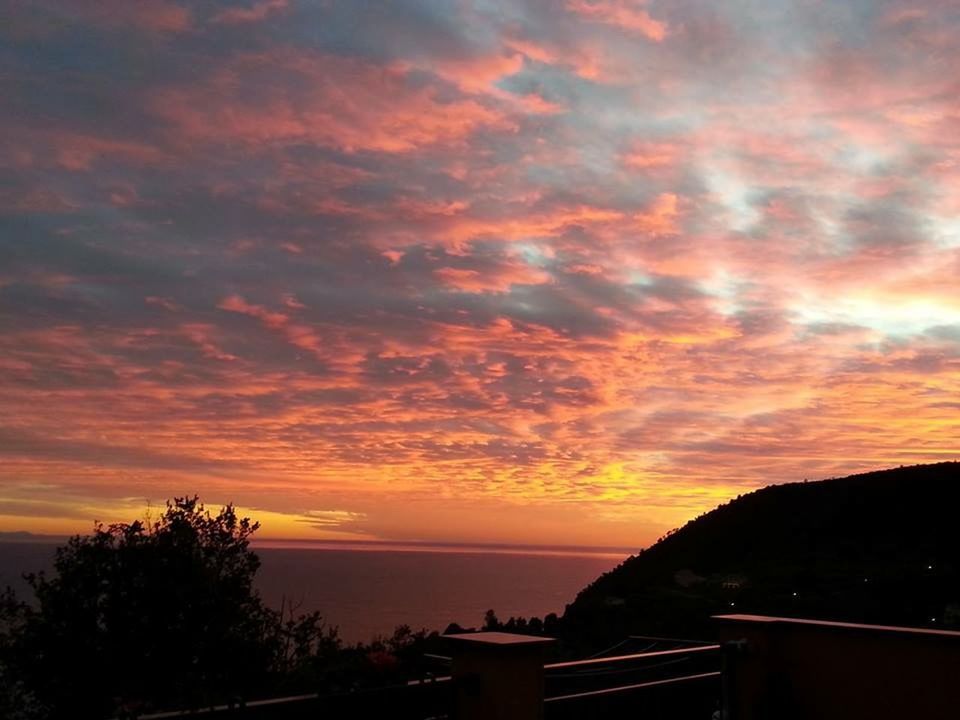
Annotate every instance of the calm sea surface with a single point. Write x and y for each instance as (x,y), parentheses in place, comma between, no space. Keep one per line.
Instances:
(366,592)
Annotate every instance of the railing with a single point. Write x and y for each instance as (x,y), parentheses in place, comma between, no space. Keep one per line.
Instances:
(681,678)
(401,702)
(676,683)
(683,652)
(772,667)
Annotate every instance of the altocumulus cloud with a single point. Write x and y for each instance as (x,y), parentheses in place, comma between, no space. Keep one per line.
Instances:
(581,269)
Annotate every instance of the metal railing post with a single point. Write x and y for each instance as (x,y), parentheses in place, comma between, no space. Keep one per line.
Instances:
(729,651)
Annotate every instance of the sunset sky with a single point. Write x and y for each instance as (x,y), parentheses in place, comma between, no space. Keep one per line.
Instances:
(493,271)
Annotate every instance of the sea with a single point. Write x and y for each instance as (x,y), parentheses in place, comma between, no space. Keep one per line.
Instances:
(368,589)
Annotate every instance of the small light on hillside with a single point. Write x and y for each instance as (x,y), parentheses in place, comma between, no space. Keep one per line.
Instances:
(794,594)
(929,567)
(732,604)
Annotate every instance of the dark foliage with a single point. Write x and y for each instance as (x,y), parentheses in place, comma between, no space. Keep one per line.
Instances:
(17,702)
(153,615)
(880,548)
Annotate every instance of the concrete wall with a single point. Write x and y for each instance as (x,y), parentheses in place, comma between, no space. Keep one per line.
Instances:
(791,669)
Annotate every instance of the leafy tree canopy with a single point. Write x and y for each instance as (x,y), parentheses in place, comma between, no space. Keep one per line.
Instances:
(152,614)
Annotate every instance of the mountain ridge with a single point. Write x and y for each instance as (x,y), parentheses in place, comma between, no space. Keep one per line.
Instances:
(873,547)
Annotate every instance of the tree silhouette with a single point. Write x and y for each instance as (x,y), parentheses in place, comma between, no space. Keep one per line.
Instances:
(152,615)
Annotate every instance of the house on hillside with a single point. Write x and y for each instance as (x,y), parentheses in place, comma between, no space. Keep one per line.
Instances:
(733,582)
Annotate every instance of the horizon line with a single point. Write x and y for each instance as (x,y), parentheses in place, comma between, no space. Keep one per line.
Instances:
(378,544)
(444,546)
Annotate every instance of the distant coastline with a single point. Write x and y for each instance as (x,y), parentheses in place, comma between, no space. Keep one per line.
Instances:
(446,547)
(421,546)
(22,536)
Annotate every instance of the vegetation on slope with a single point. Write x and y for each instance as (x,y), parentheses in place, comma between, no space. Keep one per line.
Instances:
(160,615)
(881,547)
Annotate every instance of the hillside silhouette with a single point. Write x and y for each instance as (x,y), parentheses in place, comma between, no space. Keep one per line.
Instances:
(881,547)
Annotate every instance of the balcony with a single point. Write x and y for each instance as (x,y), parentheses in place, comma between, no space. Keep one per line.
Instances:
(792,669)
(762,668)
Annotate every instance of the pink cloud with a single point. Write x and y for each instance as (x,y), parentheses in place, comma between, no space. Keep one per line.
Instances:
(660,218)
(297,334)
(500,279)
(626,14)
(75,151)
(347,104)
(255,13)
(163,302)
(203,335)
(585,57)
(235,303)
(477,74)
(651,155)
(161,16)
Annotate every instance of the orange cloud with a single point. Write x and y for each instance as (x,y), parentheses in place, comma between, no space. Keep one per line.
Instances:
(661,217)
(579,274)
(585,60)
(478,74)
(652,156)
(346,104)
(235,303)
(300,335)
(501,280)
(530,224)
